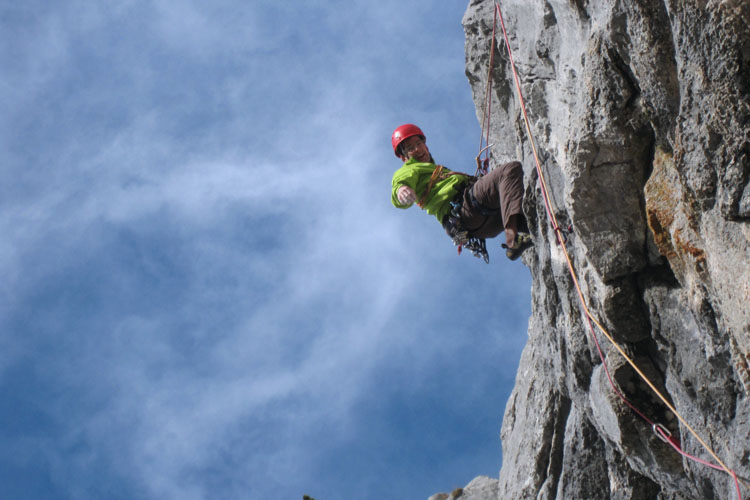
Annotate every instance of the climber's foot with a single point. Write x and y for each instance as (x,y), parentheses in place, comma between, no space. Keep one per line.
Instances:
(521,242)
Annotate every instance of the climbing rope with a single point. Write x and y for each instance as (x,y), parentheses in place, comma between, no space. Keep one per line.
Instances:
(658,429)
(484,136)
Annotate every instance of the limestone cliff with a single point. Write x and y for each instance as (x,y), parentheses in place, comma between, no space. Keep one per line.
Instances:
(640,110)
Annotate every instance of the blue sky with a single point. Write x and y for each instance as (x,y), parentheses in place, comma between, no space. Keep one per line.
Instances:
(206,292)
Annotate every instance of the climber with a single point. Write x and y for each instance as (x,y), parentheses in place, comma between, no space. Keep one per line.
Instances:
(470,209)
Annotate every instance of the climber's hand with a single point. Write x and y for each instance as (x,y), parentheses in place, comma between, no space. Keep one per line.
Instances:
(406,195)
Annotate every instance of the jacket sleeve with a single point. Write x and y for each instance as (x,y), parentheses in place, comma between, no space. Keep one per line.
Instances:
(404,176)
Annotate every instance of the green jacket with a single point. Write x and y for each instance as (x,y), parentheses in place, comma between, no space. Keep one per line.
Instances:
(417,176)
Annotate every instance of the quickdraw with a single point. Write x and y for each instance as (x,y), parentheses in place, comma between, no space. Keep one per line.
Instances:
(483,164)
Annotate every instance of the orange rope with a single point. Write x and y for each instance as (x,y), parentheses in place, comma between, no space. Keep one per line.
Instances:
(571,268)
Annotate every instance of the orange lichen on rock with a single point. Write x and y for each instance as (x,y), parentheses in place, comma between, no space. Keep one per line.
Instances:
(662,199)
(673,227)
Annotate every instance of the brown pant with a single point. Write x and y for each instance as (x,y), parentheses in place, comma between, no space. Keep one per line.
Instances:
(496,197)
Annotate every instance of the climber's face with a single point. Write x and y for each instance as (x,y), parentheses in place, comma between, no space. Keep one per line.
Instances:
(415,147)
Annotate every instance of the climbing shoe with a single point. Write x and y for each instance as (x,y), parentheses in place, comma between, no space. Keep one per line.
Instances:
(521,243)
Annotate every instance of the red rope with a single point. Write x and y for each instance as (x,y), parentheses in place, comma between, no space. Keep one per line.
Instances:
(658,429)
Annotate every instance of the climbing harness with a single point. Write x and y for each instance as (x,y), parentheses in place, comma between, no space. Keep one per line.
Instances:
(659,429)
(452,223)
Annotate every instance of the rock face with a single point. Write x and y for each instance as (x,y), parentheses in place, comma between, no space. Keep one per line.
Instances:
(481,488)
(640,111)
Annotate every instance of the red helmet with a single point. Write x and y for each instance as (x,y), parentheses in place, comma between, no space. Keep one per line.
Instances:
(402,133)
